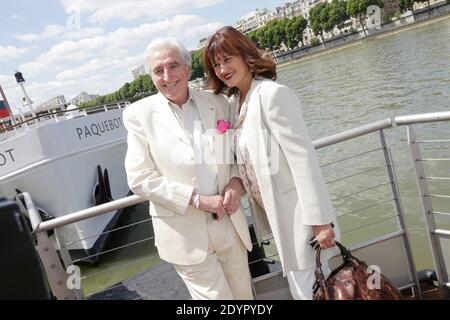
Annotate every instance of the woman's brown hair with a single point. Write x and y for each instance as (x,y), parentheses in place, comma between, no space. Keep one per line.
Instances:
(228,40)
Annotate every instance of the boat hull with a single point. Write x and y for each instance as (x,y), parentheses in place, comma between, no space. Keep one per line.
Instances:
(57,163)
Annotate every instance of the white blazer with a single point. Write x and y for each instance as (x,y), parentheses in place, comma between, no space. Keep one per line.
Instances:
(292,188)
(160,167)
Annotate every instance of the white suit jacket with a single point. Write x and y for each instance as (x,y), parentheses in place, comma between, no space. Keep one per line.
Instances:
(292,188)
(160,167)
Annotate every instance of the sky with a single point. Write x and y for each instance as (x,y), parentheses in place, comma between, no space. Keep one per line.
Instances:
(64,47)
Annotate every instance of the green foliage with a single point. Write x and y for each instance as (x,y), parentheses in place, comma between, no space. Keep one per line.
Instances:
(138,88)
(355,8)
(197,64)
(276,32)
(315,41)
(358,8)
(324,17)
(406,5)
(338,13)
(387,18)
(316,18)
(397,14)
(325,20)
(143,86)
(252,37)
(298,25)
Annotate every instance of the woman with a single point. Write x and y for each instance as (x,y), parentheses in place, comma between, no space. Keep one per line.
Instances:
(277,161)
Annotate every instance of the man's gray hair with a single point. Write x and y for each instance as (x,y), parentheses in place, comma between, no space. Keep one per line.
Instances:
(160,44)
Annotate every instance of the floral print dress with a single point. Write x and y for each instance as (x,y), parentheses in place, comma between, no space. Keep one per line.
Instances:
(246,170)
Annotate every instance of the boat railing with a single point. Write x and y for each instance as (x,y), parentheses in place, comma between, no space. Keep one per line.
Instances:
(43,117)
(349,176)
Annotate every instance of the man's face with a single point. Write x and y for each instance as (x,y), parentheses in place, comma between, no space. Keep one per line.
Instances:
(170,75)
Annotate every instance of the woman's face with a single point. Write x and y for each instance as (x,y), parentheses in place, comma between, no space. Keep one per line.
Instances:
(233,70)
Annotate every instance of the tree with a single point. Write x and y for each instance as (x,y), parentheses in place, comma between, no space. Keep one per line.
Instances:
(141,87)
(326,20)
(338,13)
(268,37)
(124,91)
(147,85)
(358,9)
(260,37)
(252,36)
(281,29)
(407,5)
(278,35)
(290,38)
(197,64)
(135,89)
(315,19)
(296,28)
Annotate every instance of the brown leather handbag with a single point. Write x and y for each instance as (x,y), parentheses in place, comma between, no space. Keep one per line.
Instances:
(350,281)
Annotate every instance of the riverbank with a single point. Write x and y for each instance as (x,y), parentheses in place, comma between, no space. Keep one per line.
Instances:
(321,50)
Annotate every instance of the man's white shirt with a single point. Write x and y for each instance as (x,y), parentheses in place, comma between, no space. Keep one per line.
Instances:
(190,121)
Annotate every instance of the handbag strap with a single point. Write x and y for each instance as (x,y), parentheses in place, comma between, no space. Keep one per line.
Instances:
(320,279)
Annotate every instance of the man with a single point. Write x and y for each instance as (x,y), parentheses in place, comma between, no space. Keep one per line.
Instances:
(171,136)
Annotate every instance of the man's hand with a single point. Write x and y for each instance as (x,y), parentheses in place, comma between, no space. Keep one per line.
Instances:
(232,194)
(324,235)
(213,204)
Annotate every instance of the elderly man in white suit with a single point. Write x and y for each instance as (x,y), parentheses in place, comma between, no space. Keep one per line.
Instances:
(176,160)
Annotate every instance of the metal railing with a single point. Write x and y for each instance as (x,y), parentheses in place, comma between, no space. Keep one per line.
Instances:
(54,115)
(434,234)
(56,271)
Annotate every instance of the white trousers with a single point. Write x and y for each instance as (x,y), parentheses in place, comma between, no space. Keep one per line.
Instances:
(224,274)
(302,281)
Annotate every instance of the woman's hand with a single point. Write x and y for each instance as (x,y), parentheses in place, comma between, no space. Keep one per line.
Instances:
(324,235)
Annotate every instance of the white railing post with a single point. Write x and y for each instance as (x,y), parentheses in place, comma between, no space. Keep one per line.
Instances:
(427,207)
(400,213)
(56,274)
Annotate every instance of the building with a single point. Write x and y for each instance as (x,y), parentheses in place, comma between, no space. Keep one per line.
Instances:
(57,103)
(294,9)
(259,18)
(306,5)
(139,71)
(83,98)
(251,21)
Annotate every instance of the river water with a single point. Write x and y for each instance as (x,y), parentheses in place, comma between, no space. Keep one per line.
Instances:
(403,73)
(399,74)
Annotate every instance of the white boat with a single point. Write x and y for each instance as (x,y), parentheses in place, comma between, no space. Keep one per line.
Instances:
(68,162)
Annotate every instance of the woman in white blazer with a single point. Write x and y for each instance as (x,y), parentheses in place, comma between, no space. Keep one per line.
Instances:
(277,161)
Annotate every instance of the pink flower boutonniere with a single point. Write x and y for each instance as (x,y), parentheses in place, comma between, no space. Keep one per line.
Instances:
(223,126)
